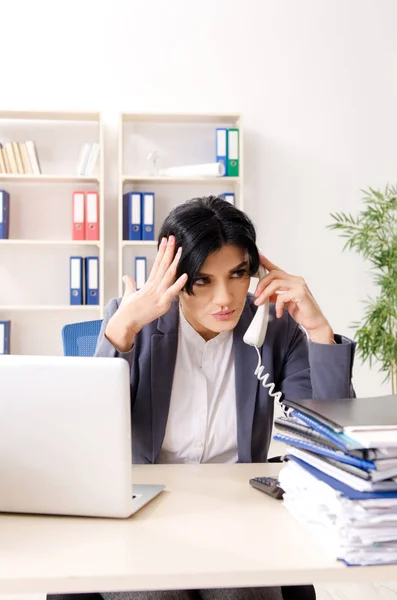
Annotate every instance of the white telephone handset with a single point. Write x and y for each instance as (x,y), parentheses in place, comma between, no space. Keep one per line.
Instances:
(255,336)
(256,332)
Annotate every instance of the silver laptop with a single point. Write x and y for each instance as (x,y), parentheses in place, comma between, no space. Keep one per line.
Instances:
(65,437)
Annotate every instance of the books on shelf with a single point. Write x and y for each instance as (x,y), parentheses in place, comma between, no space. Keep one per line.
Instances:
(19,158)
(227,150)
(84,280)
(5,337)
(138,216)
(85,215)
(140,271)
(4,215)
(340,478)
(88,161)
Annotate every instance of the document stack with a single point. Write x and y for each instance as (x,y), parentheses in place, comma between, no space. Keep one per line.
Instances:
(340,475)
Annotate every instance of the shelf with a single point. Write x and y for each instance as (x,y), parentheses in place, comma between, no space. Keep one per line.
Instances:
(29,178)
(181,117)
(49,243)
(50,116)
(138,179)
(49,307)
(138,243)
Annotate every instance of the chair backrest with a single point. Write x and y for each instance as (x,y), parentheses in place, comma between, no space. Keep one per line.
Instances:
(79,339)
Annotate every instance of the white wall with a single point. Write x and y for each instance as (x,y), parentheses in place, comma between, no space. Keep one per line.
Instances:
(316,81)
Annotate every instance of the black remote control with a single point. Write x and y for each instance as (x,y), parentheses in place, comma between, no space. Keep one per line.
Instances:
(269,485)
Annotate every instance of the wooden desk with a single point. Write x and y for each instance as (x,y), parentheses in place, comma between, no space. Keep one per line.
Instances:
(209,529)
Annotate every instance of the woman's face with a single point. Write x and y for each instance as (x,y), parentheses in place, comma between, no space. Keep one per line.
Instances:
(219,292)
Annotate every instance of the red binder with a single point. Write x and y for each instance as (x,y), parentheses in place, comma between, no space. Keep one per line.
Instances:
(92,216)
(78,216)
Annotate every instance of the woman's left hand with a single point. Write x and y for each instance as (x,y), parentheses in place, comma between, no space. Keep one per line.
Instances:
(292,292)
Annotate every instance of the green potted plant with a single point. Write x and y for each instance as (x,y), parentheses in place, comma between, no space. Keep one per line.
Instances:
(373,235)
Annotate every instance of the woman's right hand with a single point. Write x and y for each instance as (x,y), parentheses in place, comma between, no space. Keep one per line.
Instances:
(153,300)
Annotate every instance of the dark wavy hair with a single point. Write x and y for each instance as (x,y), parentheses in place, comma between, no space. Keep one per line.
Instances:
(202,226)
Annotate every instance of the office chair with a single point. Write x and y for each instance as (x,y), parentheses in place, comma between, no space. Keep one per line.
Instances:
(79,339)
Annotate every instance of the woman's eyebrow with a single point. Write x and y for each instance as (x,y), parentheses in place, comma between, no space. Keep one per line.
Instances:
(239,266)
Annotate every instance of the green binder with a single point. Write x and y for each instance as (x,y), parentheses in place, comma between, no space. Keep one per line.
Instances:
(232,152)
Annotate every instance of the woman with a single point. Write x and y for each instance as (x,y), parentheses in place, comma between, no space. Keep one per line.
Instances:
(194,395)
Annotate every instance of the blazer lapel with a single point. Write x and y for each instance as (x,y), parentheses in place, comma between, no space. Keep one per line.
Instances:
(164,346)
(245,363)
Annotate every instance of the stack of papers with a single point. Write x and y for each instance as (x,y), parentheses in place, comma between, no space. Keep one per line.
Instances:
(359,528)
(340,481)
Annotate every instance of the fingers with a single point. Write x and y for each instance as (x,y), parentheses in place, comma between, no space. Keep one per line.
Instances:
(269,290)
(158,259)
(174,289)
(265,281)
(170,274)
(293,280)
(130,285)
(166,260)
(283,299)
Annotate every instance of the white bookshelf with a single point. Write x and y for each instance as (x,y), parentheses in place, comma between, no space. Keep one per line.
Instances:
(173,180)
(49,243)
(180,139)
(9,177)
(49,307)
(34,262)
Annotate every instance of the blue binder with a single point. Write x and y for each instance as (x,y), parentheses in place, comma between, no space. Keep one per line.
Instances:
(76,280)
(132,216)
(361,463)
(92,280)
(221,147)
(343,441)
(229,197)
(147,212)
(5,337)
(4,215)
(140,271)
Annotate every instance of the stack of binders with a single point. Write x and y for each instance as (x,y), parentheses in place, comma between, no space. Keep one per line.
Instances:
(227,150)
(340,475)
(85,216)
(84,280)
(138,216)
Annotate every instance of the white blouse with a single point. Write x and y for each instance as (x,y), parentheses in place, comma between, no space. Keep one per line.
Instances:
(202,421)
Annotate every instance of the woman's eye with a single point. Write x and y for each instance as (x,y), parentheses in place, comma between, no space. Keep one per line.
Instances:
(201,281)
(239,274)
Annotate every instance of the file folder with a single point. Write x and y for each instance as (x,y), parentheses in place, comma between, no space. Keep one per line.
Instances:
(229,197)
(322,450)
(344,489)
(233,152)
(343,441)
(132,216)
(221,147)
(351,415)
(76,280)
(78,216)
(4,215)
(92,280)
(5,335)
(147,212)
(91,216)
(140,271)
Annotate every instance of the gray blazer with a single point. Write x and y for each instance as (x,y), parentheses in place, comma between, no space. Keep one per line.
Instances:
(300,369)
